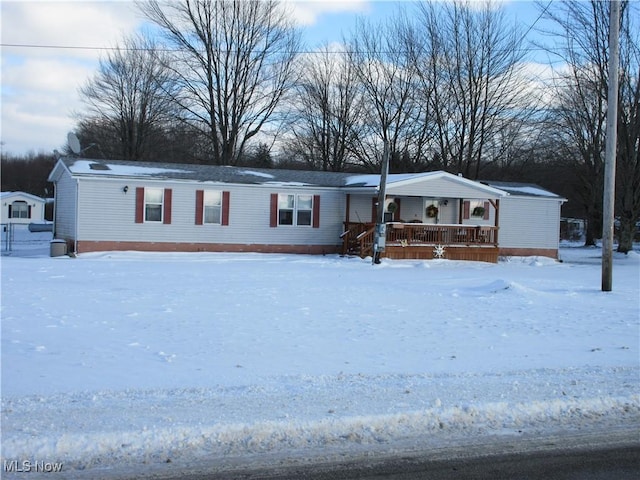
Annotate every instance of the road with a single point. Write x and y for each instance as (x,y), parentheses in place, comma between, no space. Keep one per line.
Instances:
(620,463)
(603,456)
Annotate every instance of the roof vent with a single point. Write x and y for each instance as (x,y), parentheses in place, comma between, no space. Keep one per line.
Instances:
(99,166)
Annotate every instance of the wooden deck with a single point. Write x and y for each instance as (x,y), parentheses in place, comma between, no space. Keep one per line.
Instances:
(425,241)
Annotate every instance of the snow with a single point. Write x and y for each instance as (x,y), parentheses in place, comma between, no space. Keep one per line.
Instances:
(125,360)
(373,180)
(531,190)
(287,184)
(84,167)
(256,174)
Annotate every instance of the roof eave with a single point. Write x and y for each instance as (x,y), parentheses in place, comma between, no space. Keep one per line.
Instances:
(57,170)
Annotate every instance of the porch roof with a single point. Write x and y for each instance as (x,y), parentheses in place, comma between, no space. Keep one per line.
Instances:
(413,182)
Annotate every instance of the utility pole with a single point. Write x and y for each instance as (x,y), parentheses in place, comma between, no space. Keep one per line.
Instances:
(608,202)
(380,232)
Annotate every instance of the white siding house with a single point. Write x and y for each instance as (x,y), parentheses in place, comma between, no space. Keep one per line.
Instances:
(22,208)
(141,206)
(118,205)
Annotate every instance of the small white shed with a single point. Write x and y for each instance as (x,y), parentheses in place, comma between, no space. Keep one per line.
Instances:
(21,207)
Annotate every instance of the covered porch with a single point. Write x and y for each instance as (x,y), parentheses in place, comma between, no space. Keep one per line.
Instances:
(424,241)
(428,215)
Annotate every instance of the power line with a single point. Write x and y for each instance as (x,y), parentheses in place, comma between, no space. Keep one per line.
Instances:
(542,13)
(77,47)
(302,52)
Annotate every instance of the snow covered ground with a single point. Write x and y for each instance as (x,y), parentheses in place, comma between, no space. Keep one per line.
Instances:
(122,361)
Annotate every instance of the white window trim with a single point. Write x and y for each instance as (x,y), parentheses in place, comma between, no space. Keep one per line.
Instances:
(204,207)
(24,206)
(153,203)
(295,210)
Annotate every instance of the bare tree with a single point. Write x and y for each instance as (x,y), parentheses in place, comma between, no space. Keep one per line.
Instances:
(27,173)
(328,111)
(628,165)
(467,59)
(386,76)
(234,62)
(129,98)
(579,115)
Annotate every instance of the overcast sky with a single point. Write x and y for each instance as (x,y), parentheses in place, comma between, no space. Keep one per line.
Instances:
(40,81)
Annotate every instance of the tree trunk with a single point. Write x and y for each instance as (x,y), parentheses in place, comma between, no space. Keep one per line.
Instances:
(626,233)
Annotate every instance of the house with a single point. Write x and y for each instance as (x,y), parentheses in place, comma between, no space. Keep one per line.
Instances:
(21,208)
(119,205)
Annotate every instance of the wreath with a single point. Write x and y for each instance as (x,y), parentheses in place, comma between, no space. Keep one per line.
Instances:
(432,211)
(478,212)
(392,207)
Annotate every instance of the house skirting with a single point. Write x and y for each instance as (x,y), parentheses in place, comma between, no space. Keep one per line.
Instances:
(528,252)
(481,254)
(85,246)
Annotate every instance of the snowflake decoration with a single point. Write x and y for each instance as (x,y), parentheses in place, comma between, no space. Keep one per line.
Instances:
(438,251)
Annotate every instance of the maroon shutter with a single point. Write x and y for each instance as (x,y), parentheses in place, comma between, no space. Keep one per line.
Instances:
(347,209)
(466,207)
(316,211)
(139,205)
(397,213)
(166,217)
(199,206)
(225,208)
(374,209)
(273,221)
(10,207)
(29,211)
(486,211)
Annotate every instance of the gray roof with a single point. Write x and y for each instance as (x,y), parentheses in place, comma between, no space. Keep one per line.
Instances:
(264,176)
(207,173)
(522,189)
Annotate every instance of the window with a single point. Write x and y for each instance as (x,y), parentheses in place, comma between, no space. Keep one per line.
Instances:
(153,199)
(286,205)
(304,210)
(212,206)
(295,209)
(475,209)
(153,205)
(19,209)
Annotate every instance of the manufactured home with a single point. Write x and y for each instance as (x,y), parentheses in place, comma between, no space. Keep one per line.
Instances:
(119,205)
(21,208)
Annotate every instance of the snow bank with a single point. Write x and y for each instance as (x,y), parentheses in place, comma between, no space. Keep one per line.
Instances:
(87,430)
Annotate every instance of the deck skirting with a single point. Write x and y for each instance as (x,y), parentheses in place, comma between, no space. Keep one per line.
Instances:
(452,252)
